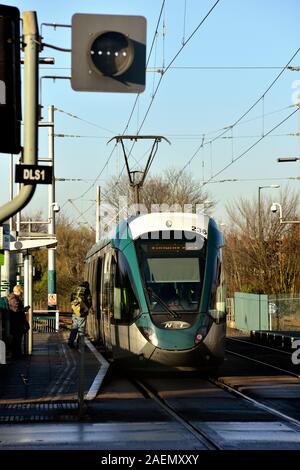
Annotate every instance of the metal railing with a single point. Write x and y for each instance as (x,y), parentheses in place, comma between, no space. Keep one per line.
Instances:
(45,321)
(284,309)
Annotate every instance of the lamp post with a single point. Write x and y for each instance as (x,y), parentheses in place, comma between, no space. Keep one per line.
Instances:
(259,208)
(274,209)
(260,235)
(287,159)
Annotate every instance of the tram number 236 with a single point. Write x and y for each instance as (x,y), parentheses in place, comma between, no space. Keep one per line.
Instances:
(199,230)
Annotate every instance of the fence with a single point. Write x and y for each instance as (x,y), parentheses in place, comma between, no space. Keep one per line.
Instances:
(283,312)
(230,311)
(251,311)
(63,306)
(43,322)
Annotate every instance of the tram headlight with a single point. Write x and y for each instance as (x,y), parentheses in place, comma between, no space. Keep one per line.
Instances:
(150,335)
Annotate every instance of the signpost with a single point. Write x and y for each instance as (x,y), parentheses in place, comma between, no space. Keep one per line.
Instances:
(33,174)
(52,299)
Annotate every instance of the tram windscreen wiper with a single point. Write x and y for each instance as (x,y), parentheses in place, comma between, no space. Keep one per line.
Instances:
(169,310)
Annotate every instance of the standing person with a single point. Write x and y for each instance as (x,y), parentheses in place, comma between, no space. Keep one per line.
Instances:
(18,322)
(81,302)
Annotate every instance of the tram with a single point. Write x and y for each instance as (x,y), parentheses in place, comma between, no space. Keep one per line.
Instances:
(158,292)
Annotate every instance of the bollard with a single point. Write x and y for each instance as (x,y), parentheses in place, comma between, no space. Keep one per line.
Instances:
(57,320)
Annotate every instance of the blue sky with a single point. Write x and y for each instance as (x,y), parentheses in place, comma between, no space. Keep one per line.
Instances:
(191,103)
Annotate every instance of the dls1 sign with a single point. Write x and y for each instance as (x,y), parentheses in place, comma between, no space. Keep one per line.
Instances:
(33,174)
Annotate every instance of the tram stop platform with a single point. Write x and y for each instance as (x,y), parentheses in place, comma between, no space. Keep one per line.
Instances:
(53,376)
(275,339)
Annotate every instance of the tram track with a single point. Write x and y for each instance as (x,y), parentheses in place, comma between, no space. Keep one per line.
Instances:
(271,380)
(237,340)
(183,410)
(260,347)
(222,384)
(208,431)
(200,435)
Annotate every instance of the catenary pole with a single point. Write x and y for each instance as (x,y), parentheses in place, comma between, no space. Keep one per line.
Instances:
(51,215)
(31,49)
(28,294)
(98,201)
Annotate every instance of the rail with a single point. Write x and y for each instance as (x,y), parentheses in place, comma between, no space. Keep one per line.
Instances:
(45,321)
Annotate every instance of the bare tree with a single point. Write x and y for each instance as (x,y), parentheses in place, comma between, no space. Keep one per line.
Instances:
(171,188)
(34,223)
(72,246)
(265,262)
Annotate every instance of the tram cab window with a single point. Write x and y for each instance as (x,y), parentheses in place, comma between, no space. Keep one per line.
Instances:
(126,307)
(173,271)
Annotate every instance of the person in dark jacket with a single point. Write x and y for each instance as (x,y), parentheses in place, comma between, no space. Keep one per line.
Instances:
(81,302)
(18,322)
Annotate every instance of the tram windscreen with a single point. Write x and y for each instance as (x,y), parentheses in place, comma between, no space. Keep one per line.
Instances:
(172,271)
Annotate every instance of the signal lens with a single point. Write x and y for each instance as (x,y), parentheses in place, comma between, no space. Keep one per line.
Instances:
(112,53)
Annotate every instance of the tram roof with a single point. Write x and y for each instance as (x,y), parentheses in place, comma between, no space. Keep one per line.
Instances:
(156,221)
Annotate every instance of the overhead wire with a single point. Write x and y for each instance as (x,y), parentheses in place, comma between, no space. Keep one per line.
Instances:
(149,55)
(130,116)
(167,68)
(251,147)
(157,87)
(83,120)
(227,128)
(238,180)
(174,58)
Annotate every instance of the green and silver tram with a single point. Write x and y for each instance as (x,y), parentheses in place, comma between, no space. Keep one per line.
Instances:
(158,291)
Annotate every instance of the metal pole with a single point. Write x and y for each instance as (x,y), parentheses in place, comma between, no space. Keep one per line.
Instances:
(137,194)
(30,298)
(259,216)
(28,294)
(51,215)
(11,187)
(30,35)
(18,216)
(259,306)
(98,201)
(26,284)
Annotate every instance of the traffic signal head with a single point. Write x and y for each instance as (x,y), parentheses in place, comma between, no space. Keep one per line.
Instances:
(108,53)
(10,81)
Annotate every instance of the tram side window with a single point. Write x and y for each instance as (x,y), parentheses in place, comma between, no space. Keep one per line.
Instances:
(97,283)
(126,306)
(108,282)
